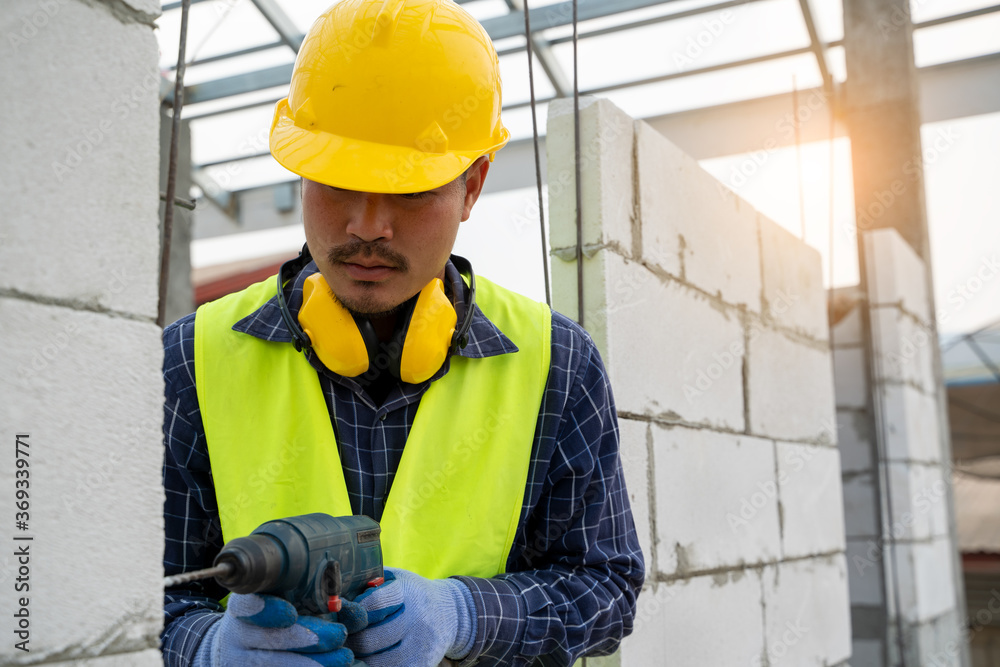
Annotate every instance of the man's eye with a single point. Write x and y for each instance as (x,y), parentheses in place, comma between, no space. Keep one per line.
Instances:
(414,195)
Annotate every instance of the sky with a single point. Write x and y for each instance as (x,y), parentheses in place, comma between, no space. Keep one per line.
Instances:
(962,197)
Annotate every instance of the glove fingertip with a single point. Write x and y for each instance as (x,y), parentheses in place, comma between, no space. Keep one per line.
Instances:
(274,613)
(330,636)
(339,658)
(353,616)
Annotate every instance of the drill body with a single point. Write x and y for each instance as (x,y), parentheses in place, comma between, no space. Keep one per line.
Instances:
(312,560)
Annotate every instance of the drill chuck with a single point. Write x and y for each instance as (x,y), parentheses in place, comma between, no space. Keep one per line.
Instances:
(256,563)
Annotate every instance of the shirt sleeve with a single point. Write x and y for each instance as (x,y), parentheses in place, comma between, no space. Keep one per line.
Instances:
(191,518)
(576,566)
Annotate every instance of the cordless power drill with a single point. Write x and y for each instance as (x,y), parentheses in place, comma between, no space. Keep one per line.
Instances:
(313,561)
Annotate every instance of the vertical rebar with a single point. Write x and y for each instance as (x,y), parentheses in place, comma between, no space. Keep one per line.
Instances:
(168,205)
(538,160)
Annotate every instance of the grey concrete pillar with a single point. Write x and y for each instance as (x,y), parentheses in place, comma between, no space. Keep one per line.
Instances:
(180,293)
(883,119)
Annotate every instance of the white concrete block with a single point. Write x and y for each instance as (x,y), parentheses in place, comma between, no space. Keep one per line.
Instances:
(794,295)
(635,465)
(687,364)
(867,653)
(896,274)
(679,623)
(940,641)
(95,110)
(151,8)
(861,507)
(716,500)
(864,571)
(812,507)
(919,501)
(905,349)
(854,441)
(790,389)
(596,282)
(693,226)
(847,331)
(927,588)
(806,613)
(911,424)
(850,377)
(87,388)
(606,167)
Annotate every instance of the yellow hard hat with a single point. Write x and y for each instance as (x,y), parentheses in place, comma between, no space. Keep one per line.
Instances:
(390,96)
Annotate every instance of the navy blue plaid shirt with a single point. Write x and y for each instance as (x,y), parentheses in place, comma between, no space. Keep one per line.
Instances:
(575,567)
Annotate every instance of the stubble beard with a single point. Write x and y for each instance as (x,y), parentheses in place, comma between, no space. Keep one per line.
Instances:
(368,304)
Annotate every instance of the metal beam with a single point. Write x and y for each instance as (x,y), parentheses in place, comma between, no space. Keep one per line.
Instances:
(947,92)
(957,17)
(232,54)
(167,6)
(960,89)
(730,4)
(553,16)
(253,81)
(675,75)
(280,21)
(239,84)
(542,50)
(815,44)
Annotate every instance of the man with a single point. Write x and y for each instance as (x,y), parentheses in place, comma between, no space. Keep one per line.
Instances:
(476,425)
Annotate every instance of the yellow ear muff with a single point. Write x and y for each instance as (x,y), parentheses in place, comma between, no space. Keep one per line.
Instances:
(335,337)
(429,334)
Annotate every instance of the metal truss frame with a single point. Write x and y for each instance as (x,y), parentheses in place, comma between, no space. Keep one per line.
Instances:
(503,27)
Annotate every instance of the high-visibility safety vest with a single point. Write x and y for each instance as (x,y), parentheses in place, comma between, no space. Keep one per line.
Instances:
(456,499)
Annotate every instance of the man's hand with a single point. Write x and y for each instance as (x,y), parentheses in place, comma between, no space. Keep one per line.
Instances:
(415,622)
(266,630)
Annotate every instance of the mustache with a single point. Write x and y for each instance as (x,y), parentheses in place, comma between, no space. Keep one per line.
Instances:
(357,248)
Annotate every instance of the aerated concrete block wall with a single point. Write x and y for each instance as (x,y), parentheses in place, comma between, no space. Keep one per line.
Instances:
(712,322)
(82,392)
(900,545)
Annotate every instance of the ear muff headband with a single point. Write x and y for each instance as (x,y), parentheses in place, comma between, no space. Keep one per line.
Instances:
(346,346)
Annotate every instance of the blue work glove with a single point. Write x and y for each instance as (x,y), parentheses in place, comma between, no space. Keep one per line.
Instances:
(266,630)
(415,622)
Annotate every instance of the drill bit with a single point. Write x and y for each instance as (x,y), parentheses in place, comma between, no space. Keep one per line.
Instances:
(220,570)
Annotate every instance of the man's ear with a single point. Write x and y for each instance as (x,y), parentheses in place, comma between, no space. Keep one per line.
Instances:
(475,179)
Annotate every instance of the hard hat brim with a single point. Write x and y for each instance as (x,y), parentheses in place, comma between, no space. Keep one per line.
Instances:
(364,166)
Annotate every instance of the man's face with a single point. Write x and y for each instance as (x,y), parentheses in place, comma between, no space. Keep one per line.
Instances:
(378,250)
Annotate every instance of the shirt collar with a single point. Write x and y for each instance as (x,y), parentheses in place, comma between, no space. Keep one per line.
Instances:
(266,323)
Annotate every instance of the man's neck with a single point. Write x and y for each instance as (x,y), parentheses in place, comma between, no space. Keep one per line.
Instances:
(385,327)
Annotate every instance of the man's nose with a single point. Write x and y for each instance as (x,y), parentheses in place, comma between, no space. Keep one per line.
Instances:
(373,219)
